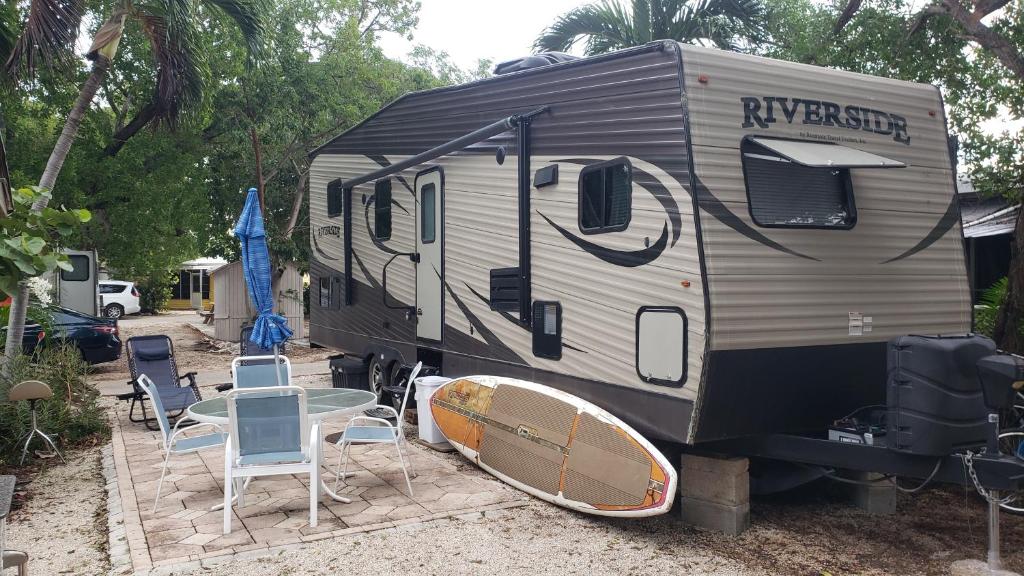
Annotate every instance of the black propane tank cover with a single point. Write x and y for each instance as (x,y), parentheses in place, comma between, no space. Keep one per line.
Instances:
(935,402)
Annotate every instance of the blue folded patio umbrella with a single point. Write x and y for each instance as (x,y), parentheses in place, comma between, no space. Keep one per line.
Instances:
(270,329)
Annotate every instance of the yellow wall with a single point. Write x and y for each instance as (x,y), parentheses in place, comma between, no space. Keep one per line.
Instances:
(175,304)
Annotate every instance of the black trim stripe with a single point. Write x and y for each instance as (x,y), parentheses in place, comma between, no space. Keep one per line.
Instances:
(720,212)
(616,257)
(945,224)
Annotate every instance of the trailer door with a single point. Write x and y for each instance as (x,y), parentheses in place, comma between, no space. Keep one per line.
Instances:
(78,288)
(430,247)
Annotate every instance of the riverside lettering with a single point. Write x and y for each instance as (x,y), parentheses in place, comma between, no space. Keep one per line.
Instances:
(766,110)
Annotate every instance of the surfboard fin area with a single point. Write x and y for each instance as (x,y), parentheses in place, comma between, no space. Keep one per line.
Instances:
(555,446)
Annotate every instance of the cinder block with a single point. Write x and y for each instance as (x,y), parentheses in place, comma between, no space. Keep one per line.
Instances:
(723,481)
(725,489)
(722,465)
(731,520)
(878,498)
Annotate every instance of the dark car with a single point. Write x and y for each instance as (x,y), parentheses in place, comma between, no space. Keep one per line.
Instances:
(96,338)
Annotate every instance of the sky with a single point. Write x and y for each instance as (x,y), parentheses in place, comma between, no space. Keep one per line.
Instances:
(472,29)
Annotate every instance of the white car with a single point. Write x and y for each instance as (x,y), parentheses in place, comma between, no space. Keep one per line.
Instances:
(118,298)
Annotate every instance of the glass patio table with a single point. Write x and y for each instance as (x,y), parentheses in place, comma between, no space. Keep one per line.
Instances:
(323,403)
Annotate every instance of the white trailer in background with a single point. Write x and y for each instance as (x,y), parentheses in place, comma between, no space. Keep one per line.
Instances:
(77,289)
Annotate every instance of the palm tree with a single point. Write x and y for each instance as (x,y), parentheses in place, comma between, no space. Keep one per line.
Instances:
(172,28)
(609,25)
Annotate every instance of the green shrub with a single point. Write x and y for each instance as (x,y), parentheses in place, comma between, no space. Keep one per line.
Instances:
(155,291)
(73,413)
(987,311)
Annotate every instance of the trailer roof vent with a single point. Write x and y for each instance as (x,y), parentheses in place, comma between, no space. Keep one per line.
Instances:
(534,61)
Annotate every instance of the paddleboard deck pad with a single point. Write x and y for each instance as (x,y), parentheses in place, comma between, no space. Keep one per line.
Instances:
(555,446)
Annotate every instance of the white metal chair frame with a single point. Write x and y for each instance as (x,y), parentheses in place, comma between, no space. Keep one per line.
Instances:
(169,437)
(239,360)
(236,474)
(356,434)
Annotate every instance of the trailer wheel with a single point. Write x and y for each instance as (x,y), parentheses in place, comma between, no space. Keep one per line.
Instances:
(1012,442)
(378,377)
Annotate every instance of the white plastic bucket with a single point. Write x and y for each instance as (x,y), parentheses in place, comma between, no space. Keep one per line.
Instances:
(425,388)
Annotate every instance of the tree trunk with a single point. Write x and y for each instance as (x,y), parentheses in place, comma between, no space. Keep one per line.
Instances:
(71,126)
(1008,322)
(19,304)
(13,346)
(142,119)
(300,193)
(258,154)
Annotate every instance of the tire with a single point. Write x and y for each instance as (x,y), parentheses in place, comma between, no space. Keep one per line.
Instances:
(378,376)
(114,311)
(1010,443)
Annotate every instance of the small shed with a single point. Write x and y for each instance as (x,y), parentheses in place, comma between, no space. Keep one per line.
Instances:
(232,308)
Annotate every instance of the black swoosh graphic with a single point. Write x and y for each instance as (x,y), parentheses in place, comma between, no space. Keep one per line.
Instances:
(504,313)
(948,220)
(656,188)
(320,250)
(720,212)
(369,231)
(501,350)
(383,162)
(626,259)
(369,277)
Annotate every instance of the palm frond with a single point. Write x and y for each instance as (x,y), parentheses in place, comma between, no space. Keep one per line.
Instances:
(605,26)
(182,71)
(608,25)
(48,36)
(251,17)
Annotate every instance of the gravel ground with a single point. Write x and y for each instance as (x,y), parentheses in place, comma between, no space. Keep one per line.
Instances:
(190,353)
(62,525)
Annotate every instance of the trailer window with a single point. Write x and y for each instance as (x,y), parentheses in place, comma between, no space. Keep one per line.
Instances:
(784,194)
(325,292)
(334,203)
(79,269)
(382,209)
(606,195)
(427,225)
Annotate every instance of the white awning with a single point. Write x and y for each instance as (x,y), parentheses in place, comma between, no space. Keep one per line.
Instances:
(995,224)
(825,155)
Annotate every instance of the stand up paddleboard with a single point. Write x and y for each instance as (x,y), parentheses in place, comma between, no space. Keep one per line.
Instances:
(554,446)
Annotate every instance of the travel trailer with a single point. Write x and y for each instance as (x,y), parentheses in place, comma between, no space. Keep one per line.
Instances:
(709,245)
(78,288)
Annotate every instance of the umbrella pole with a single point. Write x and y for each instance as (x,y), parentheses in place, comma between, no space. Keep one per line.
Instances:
(277,365)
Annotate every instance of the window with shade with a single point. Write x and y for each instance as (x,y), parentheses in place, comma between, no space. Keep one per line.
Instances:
(784,194)
(605,197)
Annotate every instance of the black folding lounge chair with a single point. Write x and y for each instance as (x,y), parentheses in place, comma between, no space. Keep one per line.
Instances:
(154,357)
(248,348)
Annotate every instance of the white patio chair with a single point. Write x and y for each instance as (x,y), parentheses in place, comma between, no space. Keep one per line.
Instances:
(258,372)
(383,433)
(271,434)
(171,443)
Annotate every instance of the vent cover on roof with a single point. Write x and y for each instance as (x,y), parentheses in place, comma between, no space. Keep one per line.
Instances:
(535,61)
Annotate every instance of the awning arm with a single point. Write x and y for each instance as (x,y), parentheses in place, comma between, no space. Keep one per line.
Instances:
(459,143)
